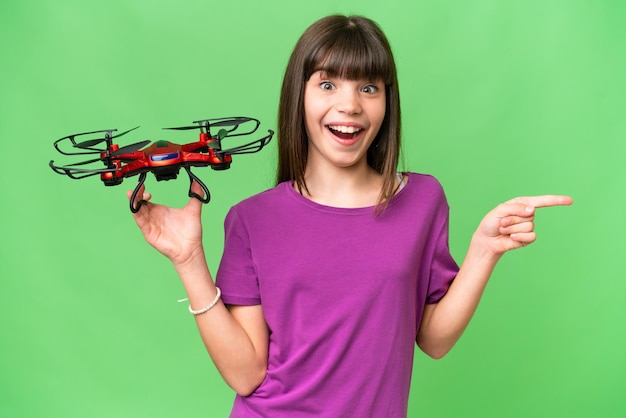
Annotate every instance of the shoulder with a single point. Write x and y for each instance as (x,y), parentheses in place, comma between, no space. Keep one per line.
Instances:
(265,197)
(263,204)
(423,180)
(422,197)
(425,186)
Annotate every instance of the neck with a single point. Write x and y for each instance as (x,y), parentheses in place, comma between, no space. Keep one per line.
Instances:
(347,187)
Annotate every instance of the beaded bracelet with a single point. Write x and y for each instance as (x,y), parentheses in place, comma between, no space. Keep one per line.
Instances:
(209,306)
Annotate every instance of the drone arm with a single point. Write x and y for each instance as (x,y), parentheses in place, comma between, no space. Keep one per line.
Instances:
(133,208)
(192,177)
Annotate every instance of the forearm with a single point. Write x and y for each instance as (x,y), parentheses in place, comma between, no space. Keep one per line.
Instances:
(443,323)
(241,364)
(507,227)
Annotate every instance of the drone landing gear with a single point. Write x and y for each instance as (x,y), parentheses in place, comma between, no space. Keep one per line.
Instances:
(133,208)
(192,177)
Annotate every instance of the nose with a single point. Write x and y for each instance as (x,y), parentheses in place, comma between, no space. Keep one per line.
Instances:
(348,101)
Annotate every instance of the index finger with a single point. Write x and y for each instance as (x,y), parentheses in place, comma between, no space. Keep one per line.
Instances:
(543,201)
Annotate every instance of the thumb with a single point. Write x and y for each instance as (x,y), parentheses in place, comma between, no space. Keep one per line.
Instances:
(198,197)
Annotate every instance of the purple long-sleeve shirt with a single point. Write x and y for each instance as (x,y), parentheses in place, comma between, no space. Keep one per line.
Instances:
(342,291)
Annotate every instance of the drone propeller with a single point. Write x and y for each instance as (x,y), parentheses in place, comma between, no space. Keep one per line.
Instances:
(182,128)
(217,145)
(92,142)
(207,123)
(70,168)
(237,120)
(124,133)
(130,148)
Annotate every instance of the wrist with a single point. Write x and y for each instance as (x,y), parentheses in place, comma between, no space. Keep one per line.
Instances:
(195,276)
(192,262)
(481,250)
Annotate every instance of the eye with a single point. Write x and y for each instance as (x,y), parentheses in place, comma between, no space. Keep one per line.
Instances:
(370,88)
(327,85)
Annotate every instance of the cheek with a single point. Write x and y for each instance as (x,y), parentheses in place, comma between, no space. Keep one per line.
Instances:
(313,114)
(308,120)
(378,115)
(306,109)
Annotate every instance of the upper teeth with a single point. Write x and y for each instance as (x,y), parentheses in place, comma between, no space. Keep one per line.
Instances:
(345,129)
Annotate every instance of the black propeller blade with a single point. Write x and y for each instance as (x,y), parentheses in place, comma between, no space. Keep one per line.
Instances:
(89,143)
(93,142)
(183,128)
(89,133)
(238,120)
(125,132)
(131,148)
(234,121)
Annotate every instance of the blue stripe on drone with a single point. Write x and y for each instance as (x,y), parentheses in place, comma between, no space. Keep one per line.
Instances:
(164,157)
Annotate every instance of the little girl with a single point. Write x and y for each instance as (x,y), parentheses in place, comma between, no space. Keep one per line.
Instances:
(329,279)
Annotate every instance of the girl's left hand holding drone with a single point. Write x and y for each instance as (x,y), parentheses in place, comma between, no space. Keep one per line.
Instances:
(174,232)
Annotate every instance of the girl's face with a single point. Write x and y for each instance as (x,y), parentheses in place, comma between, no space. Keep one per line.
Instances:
(342,118)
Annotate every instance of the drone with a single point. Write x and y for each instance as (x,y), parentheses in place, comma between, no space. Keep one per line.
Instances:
(162,158)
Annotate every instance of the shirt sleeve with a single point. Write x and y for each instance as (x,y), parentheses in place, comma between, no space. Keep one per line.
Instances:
(236,275)
(443,267)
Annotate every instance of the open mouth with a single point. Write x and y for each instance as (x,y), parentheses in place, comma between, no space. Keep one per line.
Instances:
(344,132)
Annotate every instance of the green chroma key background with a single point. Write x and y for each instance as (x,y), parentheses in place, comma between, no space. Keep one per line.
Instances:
(499,99)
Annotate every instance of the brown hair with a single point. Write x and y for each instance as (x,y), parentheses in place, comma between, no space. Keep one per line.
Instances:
(351,47)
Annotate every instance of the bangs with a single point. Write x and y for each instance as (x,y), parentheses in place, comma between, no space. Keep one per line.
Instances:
(353,55)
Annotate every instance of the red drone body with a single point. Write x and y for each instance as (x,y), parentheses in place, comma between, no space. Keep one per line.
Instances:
(163,158)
